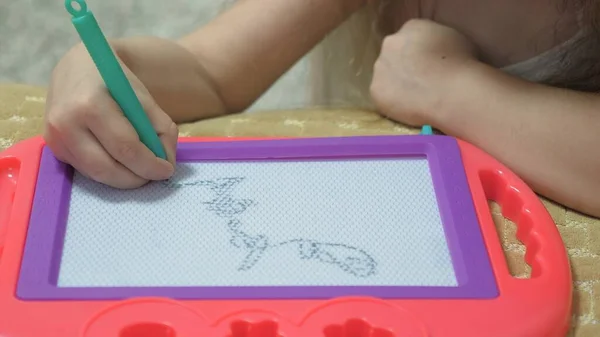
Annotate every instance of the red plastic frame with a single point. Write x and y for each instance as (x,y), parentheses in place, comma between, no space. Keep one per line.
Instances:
(535,307)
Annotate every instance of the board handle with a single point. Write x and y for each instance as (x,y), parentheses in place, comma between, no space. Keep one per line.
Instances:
(21,158)
(545,250)
(9,174)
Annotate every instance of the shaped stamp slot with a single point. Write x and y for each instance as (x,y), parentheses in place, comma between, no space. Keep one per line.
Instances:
(147,318)
(364,317)
(148,330)
(263,328)
(356,328)
(253,323)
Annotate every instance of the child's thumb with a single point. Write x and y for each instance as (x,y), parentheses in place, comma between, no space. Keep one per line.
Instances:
(167,130)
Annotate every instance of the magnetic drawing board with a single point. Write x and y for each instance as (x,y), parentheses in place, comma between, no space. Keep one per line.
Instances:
(276,222)
(384,236)
(290,223)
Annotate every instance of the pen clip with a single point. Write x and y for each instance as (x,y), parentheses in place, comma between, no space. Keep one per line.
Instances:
(77,8)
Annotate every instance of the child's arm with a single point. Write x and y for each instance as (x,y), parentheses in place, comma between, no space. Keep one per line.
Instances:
(221,68)
(548,136)
(239,55)
(429,74)
(247,48)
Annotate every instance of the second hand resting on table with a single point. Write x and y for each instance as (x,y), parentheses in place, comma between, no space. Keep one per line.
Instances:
(548,136)
(426,74)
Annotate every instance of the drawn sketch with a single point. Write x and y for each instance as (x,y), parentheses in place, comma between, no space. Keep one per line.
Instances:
(349,259)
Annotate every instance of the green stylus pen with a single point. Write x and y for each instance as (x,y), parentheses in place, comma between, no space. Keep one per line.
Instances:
(113,75)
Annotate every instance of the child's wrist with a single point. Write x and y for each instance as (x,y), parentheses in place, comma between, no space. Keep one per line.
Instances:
(464,94)
(120,49)
(351,6)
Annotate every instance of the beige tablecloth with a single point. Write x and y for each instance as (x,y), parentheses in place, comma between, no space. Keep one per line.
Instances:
(21,109)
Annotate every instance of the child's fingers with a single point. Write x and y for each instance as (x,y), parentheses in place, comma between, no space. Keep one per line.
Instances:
(162,123)
(87,156)
(121,141)
(63,154)
(169,141)
(57,147)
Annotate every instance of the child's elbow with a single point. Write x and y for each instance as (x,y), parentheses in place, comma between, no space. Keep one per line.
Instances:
(594,208)
(590,206)
(589,203)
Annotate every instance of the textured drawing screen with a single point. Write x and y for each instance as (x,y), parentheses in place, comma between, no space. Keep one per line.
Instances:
(257,223)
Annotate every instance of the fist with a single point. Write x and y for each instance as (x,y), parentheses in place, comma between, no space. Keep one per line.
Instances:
(414,73)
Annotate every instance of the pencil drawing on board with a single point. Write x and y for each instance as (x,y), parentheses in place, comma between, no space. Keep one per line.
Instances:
(351,260)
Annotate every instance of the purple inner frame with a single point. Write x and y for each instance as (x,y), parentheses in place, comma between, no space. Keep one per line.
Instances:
(47,227)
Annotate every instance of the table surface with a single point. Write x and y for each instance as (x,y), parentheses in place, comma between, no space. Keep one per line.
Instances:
(21,117)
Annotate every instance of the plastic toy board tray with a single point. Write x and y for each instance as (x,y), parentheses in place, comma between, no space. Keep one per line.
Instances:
(377,236)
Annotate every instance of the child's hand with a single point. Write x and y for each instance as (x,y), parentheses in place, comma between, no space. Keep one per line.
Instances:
(414,75)
(85,127)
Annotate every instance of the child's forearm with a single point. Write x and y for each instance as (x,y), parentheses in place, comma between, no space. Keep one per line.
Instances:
(548,136)
(173,77)
(246,49)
